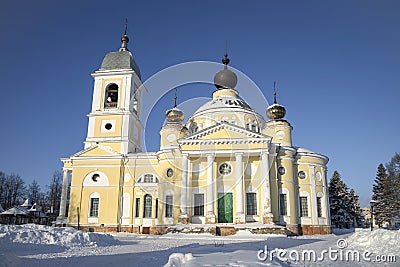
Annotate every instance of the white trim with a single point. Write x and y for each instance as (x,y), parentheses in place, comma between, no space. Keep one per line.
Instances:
(101,181)
(284,218)
(305,220)
(103,126)
(224,189)
(251,189)
(168,220)
(93,219)
(126,207)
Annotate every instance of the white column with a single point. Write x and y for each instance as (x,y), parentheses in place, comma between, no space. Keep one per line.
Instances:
(314,211)
(267,216)
(265,183)
(184,184)
(326,197)
(64,192)
(239,183)
(210,184)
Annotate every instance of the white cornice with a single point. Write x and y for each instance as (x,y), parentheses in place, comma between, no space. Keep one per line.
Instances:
(113,72)
(224,141)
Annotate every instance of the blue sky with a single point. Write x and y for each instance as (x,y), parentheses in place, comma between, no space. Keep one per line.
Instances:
(337,65)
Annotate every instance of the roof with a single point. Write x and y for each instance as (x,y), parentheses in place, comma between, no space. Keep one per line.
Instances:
(119,60)
(224,102)
(18,210)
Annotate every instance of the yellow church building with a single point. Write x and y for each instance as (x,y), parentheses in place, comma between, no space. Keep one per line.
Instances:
(226,165)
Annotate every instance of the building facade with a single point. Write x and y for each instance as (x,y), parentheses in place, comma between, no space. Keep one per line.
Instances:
(225,165)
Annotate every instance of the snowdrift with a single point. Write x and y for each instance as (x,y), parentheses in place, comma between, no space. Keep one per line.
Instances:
(378,241)
(46,235)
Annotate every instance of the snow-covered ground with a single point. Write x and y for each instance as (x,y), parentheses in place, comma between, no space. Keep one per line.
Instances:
(33,245)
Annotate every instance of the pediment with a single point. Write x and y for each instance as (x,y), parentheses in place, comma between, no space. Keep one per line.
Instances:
(96,151)
(225,131)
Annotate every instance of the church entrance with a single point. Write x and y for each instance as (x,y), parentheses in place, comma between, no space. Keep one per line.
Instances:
(225,208)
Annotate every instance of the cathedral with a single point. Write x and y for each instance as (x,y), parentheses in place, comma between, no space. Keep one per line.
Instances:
(226,165)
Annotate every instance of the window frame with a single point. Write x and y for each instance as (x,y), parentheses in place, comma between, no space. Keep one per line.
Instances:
(319,207)
(198,207)
(111,91)
(251,204)
(94,207)
(283,204)
(147,206)
(169,206)
(137,207)
(304,209)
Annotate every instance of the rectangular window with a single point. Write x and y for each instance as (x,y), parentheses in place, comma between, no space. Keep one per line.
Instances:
(198,205)
(303,207)
(148,178)
(147,206)
(169,201)
(251,204)
(283,204)
(94,207)
(319,207)
(137,207)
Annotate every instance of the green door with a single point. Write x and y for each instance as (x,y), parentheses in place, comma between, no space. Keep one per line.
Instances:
(225,208)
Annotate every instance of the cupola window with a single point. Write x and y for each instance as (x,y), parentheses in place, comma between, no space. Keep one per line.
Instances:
(111,97)
(193,127)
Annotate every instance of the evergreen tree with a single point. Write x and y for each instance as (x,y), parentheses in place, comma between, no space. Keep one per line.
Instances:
(380,193)
(340,202)
(393,169)
(386,192)
(355,208)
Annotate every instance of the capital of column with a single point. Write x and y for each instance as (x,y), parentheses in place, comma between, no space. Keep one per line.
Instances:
(238,154)
(210,157)
(264,154)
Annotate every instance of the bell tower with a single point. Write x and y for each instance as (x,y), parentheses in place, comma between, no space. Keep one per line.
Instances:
(114,121)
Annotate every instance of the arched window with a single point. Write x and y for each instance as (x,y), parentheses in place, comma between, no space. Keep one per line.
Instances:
(148,178)
(169,206)
(111,97)
(147,206)
(193,127)
(94,202)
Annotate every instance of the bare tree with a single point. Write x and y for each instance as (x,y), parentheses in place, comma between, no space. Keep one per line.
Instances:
(14,190)
(53,195)
(34,193)
(2,189)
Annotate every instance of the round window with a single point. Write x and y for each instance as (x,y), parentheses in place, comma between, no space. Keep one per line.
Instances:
(301,174)
(108,126)
(170,172)
(95,177)
(225,168)
(281,170)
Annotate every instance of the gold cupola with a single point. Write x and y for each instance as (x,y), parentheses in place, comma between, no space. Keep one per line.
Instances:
(174,115)
(276,111)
